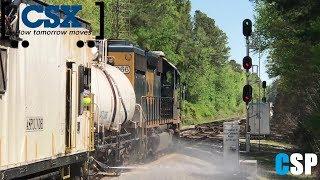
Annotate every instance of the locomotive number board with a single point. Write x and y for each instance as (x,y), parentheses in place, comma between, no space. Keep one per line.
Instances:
(124,69)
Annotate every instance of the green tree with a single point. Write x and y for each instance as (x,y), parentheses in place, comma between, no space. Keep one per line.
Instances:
(290,32)
(196,45)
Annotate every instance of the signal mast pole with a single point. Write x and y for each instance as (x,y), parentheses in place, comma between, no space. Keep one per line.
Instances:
(259,108)
(247,104)
(247,90)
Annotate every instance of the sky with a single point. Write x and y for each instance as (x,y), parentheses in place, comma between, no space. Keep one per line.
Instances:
(228,16)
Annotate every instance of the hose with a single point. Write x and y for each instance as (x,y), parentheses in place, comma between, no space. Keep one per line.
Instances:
(115,88)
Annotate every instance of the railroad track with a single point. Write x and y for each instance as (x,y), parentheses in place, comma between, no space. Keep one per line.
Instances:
(209,131)
(207,137)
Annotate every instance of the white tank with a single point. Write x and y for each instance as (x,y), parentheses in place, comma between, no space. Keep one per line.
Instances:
(114,97)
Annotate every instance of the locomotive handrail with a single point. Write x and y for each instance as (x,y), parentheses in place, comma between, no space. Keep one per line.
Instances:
(157,108)
(91,123)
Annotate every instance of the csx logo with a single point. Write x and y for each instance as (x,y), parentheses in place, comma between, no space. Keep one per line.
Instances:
(297,168)
(53,19)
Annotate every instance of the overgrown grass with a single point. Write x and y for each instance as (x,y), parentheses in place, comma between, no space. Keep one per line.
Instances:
(265,156)
(271,143)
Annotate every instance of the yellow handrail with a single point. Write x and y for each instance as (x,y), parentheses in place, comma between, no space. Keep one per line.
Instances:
(91,122)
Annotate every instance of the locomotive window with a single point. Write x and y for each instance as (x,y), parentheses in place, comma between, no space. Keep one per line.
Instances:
(3,71)
(169,78)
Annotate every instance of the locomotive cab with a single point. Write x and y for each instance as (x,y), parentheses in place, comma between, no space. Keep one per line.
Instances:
(170,87)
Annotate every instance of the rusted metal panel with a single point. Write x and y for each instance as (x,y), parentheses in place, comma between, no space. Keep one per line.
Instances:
(150,82)
(140,86)
(140,63)
(124,61)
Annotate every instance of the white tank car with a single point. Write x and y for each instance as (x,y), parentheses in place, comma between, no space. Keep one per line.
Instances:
(114,97)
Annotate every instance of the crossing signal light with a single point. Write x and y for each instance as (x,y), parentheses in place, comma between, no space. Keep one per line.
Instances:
(264,84)
(264,99)
(247,63)
(247,93)
(247,27)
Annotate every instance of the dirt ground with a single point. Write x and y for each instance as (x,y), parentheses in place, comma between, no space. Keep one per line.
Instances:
(198,155)
(187,163)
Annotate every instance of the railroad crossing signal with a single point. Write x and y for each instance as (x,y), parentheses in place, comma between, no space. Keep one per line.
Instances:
(247,63)
(264,99)
(247,27)
(247,93)
(264,86)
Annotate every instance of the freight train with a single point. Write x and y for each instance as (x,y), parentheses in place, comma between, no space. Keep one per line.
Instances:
(65,107)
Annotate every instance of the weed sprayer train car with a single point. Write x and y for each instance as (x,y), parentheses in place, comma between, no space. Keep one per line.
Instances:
(61,104)
(142,111)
